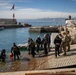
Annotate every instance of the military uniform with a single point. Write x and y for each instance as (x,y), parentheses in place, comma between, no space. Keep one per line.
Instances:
(63,43)
(68,41)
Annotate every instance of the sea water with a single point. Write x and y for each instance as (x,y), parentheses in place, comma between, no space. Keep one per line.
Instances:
(20,35)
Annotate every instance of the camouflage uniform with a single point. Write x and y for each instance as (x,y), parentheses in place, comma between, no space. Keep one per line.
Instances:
(68,41)
(63,43)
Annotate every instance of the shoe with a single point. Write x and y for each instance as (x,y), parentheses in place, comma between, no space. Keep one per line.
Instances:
(68,50)
(29,53)
(55,56)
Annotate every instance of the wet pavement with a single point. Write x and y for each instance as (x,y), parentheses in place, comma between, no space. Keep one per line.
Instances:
(40,62)
(26,62)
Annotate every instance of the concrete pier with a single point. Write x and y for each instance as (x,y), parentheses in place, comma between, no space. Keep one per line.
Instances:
(44,29)
(14,25)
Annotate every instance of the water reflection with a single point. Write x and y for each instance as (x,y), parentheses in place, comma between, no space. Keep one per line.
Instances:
(26,62)
(15,65)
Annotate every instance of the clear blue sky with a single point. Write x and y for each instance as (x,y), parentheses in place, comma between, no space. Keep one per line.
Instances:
(31,9)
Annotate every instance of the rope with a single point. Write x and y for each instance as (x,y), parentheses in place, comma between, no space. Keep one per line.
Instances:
(66,2)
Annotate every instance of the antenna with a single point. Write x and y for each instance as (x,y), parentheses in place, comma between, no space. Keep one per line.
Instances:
(13,8)
(66,2)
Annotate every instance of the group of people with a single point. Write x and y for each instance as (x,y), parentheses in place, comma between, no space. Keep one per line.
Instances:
(15,52)
(36,45)
(62,43)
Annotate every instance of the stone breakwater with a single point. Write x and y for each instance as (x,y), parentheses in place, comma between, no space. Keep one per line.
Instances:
(44,29)
(12,23)
(15,25)
(72,31)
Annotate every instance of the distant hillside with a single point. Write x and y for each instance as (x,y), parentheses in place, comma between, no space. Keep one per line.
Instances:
(43,20)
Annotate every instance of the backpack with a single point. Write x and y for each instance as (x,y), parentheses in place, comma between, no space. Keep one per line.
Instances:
(68,38)
(15,48)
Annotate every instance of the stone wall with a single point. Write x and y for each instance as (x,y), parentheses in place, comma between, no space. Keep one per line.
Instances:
(7,21)
(72,31)
(44,29)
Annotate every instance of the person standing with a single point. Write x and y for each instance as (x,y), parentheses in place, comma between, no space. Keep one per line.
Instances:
(3,55)
(68,41)
(38,43)
(57,42)
(48,42)
(15,51)
(33,49)
(32,46)
(29,45)
(45,41)
(63,43)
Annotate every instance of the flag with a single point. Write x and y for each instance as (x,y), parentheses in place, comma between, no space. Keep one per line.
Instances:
(12,7)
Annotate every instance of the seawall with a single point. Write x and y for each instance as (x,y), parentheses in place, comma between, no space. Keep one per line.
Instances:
(14,25)
(44,29)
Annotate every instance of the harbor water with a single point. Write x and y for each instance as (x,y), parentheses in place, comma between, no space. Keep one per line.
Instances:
(20,35)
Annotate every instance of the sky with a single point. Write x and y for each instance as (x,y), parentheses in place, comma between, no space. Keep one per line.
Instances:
(34,9)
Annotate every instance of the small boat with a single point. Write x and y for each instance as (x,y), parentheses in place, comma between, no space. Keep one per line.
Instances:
(23,47)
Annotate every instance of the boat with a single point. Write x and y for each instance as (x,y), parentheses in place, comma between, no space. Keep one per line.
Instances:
(22,47)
